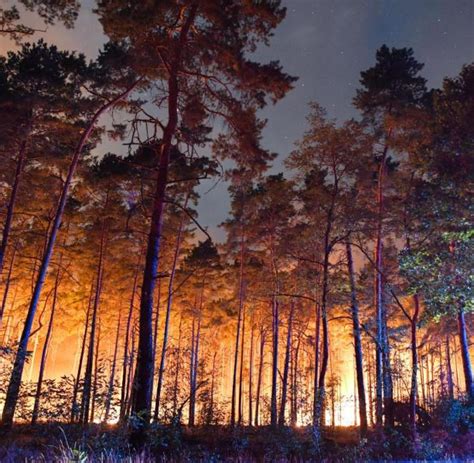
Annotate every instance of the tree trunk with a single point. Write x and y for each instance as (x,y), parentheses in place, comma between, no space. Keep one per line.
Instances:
(194,372)
(87,389)
(449,369)
(17,372)
(126,358)
(317,342)
(414,366)
(252,333)
(96,370)
(241,374)
(294,383)
(357,343)
(286,367)
(319,418)
(20,163)
(44,354)
(110,390)
(143,381)
(259,379)
(466,359)
(237,336)
(74,411)
(274,393)
(7,285)
(177,368)
(169,303)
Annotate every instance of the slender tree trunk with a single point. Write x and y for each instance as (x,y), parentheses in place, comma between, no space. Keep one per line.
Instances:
(320,415)
(20,163)
(74,411)
(422,383)
(274,392)
(387,374)
(194,371)
(371,387)
(156,328)
(259,379)
(143,381)
(110,390)
(7,285)
(96,370)
(130,376)
(237,336)
(211,401)
(44,354)
(177,368)
(379,307)
(294,387)
(126,358)
(241,375)
(414,366)
(317,342)
(357,343)
(87,389)
(286,367)
(466,359)
(18,366)
(252,333)
(449,369)
(169,304)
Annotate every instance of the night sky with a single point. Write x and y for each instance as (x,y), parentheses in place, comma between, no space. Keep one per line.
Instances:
(326,43)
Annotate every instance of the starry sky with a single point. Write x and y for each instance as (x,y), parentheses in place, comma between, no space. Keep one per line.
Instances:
(326,43)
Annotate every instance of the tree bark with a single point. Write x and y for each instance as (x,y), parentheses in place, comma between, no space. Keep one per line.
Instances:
(275,340)
(20,163)
(44,353)
(143,381)
(169,304)
(357,343)
(87,389)
(449,369)
(110,390)
(414,365)
(286,367)
(126,358)
(237,336)
(241,374)
(7,285)
(466,358)
(77,381)
(250,404)
(259,379)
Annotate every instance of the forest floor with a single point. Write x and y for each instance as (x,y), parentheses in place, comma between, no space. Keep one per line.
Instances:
(107,443)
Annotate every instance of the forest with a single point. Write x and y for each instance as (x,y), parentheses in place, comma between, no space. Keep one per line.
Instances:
(334,322)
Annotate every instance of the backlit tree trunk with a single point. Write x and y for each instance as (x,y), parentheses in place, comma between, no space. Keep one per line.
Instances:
(237,336)
(286,367)
(87,390)
(7,285)
(126,356)
(20,163)
(110,390)
(357,343)
(466,358)
(74,411)
(143,381)
(259,378)
(414,365)
(44,354)
(169,303)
